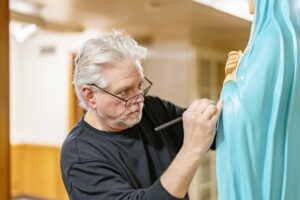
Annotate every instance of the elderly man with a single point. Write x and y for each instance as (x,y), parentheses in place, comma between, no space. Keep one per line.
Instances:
(113,151)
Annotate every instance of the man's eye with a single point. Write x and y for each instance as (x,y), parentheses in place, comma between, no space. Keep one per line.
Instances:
(123,93)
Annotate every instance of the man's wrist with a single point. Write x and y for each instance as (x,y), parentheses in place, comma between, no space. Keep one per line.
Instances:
(194,154)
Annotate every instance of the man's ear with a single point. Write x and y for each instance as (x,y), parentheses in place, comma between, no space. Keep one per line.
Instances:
(89,96)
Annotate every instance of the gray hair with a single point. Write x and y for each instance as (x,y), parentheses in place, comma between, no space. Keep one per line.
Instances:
(96,53)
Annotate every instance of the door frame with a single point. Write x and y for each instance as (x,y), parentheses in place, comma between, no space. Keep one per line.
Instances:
(4,102)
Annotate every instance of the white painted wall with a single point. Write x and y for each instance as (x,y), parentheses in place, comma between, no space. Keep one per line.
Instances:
(39,87)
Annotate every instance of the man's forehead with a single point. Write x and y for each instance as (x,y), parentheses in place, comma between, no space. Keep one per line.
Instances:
(119,75)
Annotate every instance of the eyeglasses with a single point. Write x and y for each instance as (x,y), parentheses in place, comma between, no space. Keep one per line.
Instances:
(144,88)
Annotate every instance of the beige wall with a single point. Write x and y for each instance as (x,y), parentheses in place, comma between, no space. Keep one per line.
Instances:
(168,65)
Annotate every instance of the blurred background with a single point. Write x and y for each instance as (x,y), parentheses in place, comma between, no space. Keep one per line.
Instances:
(188,42)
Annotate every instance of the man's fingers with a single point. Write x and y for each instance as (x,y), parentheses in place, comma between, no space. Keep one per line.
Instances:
(208,101)
(219,107)
(193,106)
(199,106)
(210,111)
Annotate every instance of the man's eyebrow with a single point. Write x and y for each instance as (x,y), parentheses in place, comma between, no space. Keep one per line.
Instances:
(122,88)
(128,86)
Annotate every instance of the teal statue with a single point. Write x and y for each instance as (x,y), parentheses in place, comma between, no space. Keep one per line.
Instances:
(258,140)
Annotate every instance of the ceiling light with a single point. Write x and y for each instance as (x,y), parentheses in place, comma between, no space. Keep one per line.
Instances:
(22,32)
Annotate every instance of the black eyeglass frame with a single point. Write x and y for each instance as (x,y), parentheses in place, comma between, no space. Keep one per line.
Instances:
(143,93)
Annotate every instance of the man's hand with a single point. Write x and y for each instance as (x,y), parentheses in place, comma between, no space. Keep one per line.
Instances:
(199,123)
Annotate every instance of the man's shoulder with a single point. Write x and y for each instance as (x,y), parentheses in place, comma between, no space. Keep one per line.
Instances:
(154,105)
(160,110)
(74,134)
(152,99)
(81,144)
(69,149)
(157,102)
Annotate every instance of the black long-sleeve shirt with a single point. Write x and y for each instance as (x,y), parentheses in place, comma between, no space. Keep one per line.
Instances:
(126,165)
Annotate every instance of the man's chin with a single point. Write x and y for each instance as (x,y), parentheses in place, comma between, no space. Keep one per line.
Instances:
(133,119)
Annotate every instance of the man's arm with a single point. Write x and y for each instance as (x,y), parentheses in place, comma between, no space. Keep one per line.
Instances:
(99,179)
(199,122)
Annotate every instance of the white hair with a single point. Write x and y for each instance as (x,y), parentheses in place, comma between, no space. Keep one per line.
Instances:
(105,50)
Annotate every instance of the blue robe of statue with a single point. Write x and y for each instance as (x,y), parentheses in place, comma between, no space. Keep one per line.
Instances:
(258,142)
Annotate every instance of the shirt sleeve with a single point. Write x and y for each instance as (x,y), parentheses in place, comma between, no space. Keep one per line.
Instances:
(95,180)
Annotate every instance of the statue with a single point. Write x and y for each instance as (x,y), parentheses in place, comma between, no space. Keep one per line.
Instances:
(258,141)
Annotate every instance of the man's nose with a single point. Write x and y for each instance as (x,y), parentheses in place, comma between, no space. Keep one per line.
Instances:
(139,99)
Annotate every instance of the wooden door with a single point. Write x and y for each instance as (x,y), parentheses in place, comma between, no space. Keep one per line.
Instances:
(75,111)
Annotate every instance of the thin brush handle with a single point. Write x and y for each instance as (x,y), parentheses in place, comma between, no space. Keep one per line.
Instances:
(176,120)
(165,125)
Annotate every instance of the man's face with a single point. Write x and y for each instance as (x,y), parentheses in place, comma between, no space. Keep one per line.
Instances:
(251,6)
(123,81)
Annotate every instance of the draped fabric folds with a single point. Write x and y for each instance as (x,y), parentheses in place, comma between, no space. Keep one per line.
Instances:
(258,142)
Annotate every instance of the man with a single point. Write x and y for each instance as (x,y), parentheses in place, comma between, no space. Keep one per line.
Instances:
(113,152)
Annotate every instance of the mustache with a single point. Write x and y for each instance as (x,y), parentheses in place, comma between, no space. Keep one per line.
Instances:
(134,109)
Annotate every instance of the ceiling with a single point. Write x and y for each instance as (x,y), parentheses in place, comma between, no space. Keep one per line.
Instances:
(148,18)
